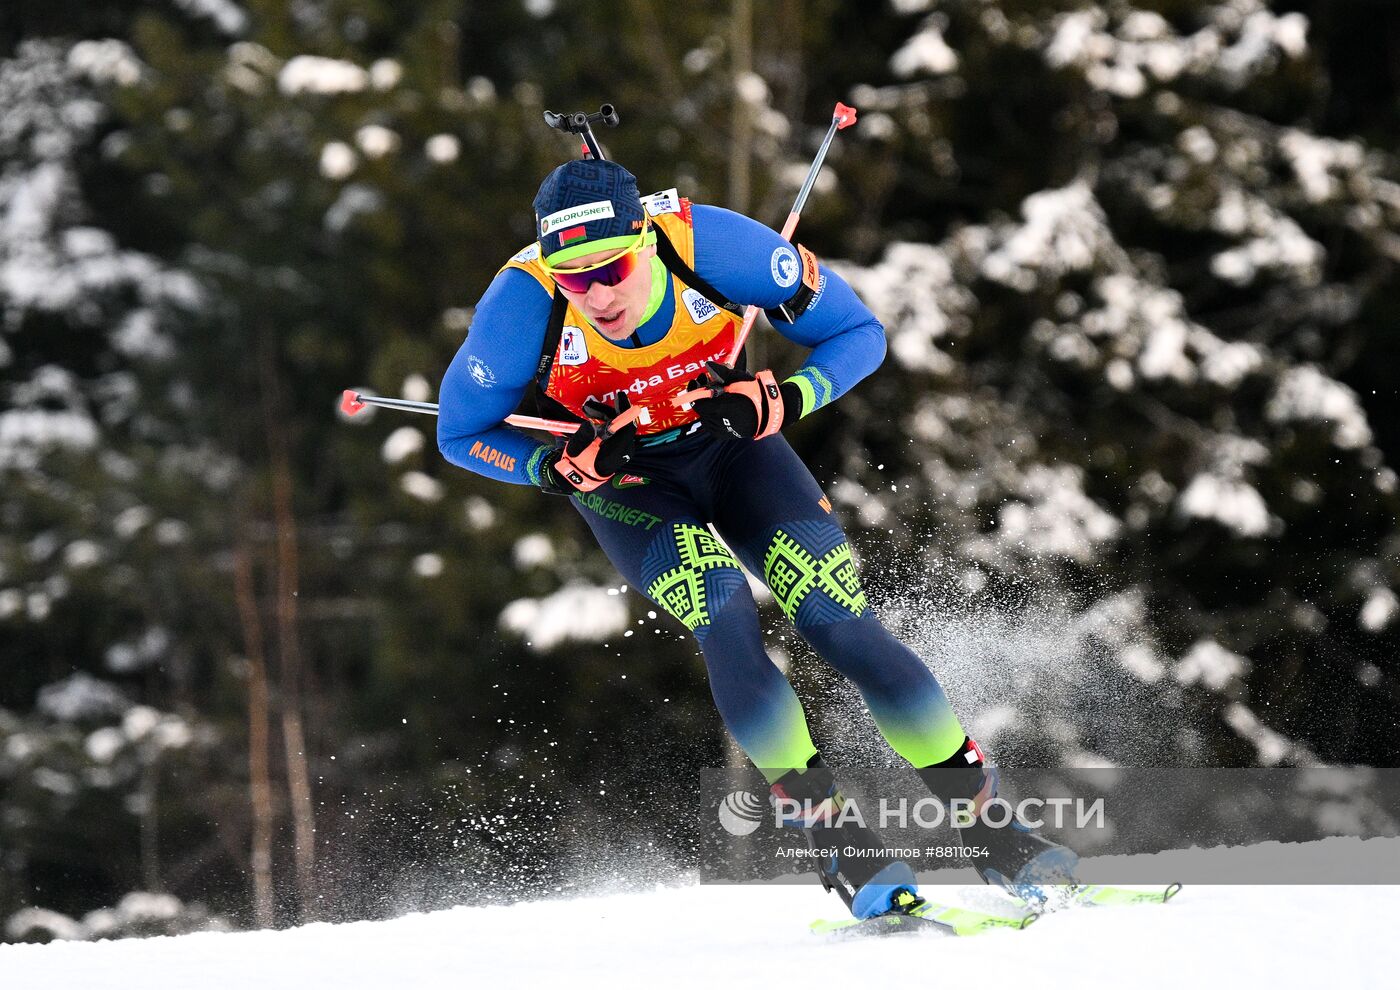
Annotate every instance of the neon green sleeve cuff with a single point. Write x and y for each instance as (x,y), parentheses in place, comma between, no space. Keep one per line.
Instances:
(533,465)
(814,386)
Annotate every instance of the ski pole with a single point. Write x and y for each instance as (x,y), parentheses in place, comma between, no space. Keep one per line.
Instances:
(352,402)
(841,118)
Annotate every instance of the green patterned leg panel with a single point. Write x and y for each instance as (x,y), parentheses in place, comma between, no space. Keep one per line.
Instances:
(810,571)
(691,575)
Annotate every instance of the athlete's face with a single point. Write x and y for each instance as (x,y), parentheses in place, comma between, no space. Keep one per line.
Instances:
(616,310)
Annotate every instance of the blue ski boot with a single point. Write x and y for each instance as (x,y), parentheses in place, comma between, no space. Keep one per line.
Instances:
(1017,858)
(849,857)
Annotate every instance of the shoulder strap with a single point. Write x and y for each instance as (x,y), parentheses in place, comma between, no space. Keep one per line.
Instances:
(536,402)
(552,331)
(666,251)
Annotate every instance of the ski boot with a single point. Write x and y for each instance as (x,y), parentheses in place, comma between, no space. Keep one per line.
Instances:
(849,857)
(1017,859)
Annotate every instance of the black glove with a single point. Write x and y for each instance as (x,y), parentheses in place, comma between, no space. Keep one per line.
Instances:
(746,406)
(594,453)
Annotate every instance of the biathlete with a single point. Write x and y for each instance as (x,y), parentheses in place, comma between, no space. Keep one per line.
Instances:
(628,301)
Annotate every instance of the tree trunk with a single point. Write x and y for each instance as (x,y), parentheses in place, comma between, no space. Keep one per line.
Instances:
(259,773)
(150,825)
(288,647)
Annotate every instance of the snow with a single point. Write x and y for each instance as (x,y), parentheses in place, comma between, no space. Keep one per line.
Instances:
(1240,40)
(1380,609)
(1164,352)
(577,612)
(354,200)
(1313,160)
(1198,143)
(481,90)
(152,647)
(385,73)
(138,335)
(81,554)
(1065,230)
(1270,747)
(11,601)
(227,16)
(31,921)
(376,141)
(1058,518)
(250,66)
(422,486)
(443,148)
(107,61)
(1306,394)
(402,444)
(1210,664)
(755,936)
(326,76)
(480,514)
(1281,246)
(1225,364)
(750,87)
(913,291)
(338,160)
(160,730)
(104,744)
(1232,503)
(135,910)
(169,532)
(43,265)
(926,51)
(428,565)
(1142,662)
(416,388)
(80,696)
(533,550)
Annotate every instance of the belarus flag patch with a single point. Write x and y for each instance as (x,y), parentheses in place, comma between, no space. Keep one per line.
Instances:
(572,234)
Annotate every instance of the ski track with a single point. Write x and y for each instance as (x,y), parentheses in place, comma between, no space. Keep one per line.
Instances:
(755,936)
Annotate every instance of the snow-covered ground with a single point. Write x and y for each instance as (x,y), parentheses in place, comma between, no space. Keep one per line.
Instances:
(713,936)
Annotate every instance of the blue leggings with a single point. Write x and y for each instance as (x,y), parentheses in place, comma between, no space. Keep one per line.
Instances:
(769,509)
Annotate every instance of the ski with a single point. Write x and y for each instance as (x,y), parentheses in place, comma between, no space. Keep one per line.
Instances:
(1098,895)
(943,919)
(1095,895)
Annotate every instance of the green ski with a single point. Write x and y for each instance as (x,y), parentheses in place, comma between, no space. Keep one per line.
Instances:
(928,916)
(1099,895)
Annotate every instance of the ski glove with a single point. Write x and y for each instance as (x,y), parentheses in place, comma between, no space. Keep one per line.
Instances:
(594,453)
(742,405)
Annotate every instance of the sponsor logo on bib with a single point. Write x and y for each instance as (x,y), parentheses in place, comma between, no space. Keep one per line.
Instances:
(666,201)
(573,349)
(700,308)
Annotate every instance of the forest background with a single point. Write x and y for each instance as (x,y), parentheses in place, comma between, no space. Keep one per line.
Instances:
(1125,478)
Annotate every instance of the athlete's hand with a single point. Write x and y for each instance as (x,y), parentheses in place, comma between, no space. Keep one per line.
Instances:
(594,453)
(742,405)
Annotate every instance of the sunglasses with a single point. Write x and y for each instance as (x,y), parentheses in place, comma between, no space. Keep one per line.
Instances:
(610,271)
